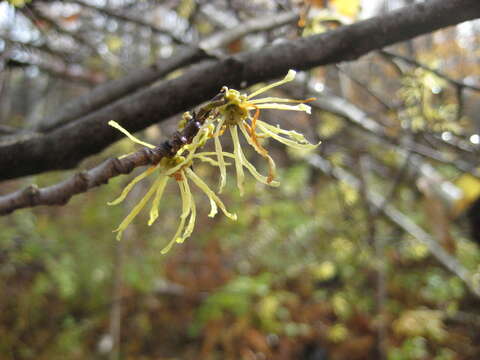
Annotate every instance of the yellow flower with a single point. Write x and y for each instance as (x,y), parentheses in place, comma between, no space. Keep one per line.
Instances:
(237,113)
(178,168)
(232,112)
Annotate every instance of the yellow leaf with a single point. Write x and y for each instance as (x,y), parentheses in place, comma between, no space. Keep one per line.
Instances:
(347,8)
(337,333)
(186,8)
(330,125)
(350,194)
(19,3)
(470,187)
(421,322)
(114,43)
(324,271)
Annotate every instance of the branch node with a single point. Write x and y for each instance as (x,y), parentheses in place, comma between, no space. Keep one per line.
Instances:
(166,149)
(31,192)
(153,155)
(178,140)
(121,167)
(82,180)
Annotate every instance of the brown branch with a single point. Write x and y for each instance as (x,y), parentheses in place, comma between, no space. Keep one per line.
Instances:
(65,147)
(60,194)
(113,90)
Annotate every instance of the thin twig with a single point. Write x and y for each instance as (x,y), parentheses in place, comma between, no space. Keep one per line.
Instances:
(400,220)
(41,48)
(356,116)
(62,71)
(34,14)
(396,182)
(365,88)
(115,14)
(440,74)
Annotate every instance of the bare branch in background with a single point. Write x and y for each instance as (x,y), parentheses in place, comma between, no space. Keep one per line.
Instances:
(225,37)
(118,15)
(115,89)
(366,88)
(457,83)
(8,130)
(61,71)
(400,220)
(42,48)
(360,119)
(35,15)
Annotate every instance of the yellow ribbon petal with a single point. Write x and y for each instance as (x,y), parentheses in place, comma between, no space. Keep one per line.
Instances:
(130,136)
(141,204)
(278,100)
(299,141)
(183,216)
(271,164)
(193,214)
(156,200)
(299,107)
(130,186)
(289,77)
(220,158)
(211,195)
(237,151)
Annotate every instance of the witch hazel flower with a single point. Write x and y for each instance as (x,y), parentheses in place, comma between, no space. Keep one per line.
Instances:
(229,110)
(178,168)
(236,114)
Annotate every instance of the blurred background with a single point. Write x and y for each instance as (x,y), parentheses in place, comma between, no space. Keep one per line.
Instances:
(369,249)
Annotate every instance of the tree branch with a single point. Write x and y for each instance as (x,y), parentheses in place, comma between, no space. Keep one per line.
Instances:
(115,89)
(61,71)
(34,14)
(60,194)
(41,48)
(459,84)
(127,18)
(364,122)
(65,147)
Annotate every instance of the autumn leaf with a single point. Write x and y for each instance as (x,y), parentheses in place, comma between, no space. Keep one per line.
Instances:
(348,8)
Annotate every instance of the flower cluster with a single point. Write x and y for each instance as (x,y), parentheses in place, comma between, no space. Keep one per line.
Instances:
(236,114)
(236,111)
